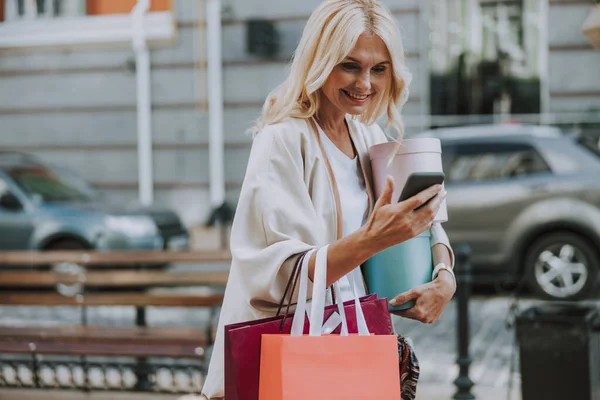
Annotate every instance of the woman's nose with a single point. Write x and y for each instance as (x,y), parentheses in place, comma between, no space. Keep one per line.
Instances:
(364,82)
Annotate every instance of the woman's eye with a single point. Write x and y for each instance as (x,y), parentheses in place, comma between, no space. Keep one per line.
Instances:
(350,67)
(379,70)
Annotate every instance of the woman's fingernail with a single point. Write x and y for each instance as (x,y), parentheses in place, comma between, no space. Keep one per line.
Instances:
(393,302)
(443,193)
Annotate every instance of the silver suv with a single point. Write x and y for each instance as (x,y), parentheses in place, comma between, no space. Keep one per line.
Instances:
(526,199)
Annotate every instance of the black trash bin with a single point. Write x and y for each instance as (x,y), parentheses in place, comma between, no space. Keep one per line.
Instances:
(559,348)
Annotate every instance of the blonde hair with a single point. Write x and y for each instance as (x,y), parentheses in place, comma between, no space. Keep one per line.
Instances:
(329,36)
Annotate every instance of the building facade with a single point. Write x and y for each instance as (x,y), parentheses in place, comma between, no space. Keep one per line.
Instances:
(75,105)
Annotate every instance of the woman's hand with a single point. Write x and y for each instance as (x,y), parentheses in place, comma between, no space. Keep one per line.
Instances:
(392,223)
(431,299)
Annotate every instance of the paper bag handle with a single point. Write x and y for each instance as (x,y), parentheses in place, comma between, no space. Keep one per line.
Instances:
(318,299)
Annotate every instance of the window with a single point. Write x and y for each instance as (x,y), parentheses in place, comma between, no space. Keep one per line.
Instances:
(3,188)
(8,202)
(33,9)
(482,162)
(591,144)
(38,23)
(485,57)
(569,156)
(42,183)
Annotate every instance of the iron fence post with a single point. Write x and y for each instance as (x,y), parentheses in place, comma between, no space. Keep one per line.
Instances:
(142,369)
(464,280)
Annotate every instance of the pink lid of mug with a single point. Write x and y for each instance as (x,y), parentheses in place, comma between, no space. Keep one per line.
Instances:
(407,146)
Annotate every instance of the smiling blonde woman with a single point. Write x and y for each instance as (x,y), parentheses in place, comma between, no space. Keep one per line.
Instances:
(329,36)
(309,164)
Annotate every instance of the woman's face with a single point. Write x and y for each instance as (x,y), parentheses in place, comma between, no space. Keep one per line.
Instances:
(362,76)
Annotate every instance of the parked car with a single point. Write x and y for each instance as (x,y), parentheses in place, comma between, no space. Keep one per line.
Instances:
(43,207)
(527,201)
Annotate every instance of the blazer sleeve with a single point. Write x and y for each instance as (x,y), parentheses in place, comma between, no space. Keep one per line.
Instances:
(438,235)
(275,218)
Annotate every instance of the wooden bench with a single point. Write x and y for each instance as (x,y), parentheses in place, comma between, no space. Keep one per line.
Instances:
(144,335)
(150,289)
(114,279)
(103,341)
(30,258)
(112,299)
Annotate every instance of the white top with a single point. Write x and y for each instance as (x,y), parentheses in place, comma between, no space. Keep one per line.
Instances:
(354,201)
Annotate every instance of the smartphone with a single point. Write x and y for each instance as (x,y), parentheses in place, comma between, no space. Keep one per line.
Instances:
(419,181)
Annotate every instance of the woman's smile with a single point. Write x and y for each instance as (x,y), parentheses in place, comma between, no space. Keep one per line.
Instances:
(355,97)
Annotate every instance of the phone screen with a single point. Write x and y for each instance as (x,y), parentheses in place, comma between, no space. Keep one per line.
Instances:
(419,181)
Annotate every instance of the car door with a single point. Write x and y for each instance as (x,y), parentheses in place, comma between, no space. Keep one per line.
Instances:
(489,183)
(16,224)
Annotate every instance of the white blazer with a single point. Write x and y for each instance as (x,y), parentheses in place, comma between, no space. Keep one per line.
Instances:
(286,207)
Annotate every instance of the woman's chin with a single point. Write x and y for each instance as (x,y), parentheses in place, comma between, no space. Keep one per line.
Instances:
(354,113)
(356,110)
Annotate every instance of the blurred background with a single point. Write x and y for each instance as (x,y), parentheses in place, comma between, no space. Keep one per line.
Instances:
(123,127)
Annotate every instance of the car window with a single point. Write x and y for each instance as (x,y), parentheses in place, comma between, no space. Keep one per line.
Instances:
(486,161)
(567,156)
(590,144)
(75,180)
(35,180)
(4,189)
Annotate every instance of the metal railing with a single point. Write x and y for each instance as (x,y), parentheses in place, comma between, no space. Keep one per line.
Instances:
(86,374)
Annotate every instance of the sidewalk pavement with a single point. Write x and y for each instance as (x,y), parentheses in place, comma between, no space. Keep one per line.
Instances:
(447,392)
(492,350)
(425,392)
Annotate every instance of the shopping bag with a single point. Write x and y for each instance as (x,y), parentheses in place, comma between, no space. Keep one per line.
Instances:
(242,347)
(316,366)
(329,367)
(243,340)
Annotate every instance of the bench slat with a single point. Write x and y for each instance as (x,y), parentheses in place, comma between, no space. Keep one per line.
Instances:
(101,349)
(113,299)
(104,341)
(115,279)
(106,334)
(29,258)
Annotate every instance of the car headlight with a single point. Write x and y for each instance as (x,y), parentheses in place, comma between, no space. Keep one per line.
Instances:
(132,225)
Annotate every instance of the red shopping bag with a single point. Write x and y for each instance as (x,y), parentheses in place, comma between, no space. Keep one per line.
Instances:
(324,367)
(243,340)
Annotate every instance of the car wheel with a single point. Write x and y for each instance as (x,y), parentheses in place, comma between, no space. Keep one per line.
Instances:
(562,266)
(67,268)
(66,244)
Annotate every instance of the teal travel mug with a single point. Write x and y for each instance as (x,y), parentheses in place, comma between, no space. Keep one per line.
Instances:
(399,269)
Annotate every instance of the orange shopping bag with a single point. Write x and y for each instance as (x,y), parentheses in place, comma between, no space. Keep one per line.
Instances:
(316,366)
